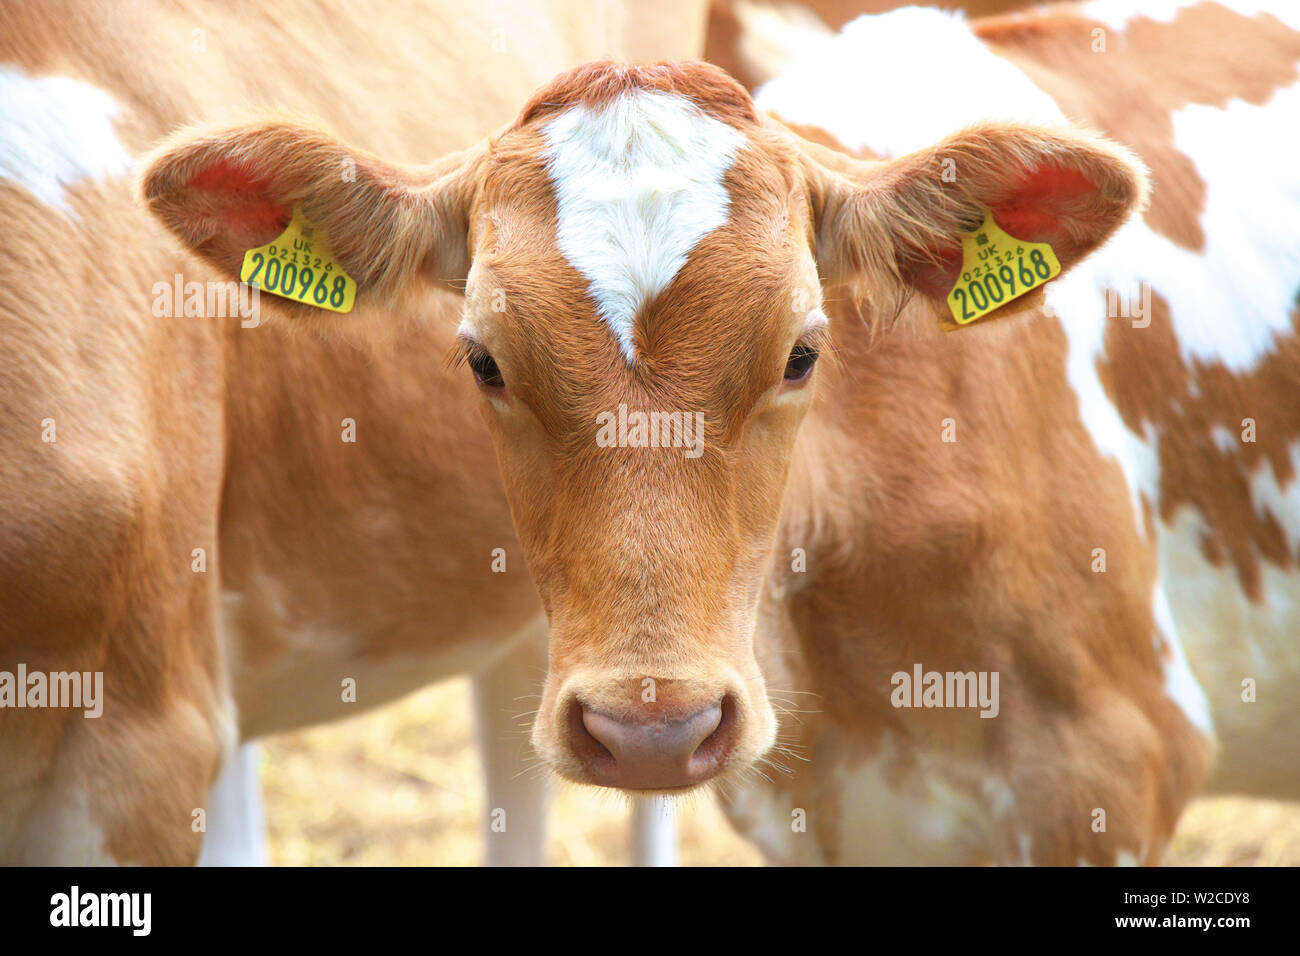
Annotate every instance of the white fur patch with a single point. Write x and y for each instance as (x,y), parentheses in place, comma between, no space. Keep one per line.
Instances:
(1281,503)
(1118,14)
(1229,301)
(938,811)
(1225,439)
(54,132)
(60,831)
(638,183)
(942,813)
(1180,684)
(870,86)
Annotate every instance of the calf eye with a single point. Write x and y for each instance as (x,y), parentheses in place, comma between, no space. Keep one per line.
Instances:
(486,372)
(800,363)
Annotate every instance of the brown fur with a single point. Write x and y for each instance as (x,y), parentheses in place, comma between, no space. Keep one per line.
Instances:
(958,532)
(630,596)
(972,555)
(1147,73)
(325,559)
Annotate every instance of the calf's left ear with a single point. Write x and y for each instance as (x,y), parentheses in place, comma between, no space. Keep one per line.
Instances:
(225,191)
(902,219)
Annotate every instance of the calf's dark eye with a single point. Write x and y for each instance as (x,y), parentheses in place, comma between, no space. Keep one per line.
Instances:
(800,363)
(486,372)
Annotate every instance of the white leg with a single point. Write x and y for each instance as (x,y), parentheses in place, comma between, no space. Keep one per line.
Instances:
(516,790)
(654,832)
(236,822)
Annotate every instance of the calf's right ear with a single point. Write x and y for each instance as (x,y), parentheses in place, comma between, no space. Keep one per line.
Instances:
(225,191)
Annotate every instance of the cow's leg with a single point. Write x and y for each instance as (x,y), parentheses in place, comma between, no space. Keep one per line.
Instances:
(654,832)
(117,586)
(119,777)
(236,820)
(504,693)
(122,789)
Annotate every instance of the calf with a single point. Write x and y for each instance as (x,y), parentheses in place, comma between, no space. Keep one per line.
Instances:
(999,502)
(642,240)
(242,529)
(1113,527)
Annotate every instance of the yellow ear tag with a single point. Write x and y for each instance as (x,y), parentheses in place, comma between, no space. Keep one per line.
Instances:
(300,265)
(995,269)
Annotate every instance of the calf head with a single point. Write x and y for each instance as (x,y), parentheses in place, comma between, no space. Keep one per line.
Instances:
(643,258)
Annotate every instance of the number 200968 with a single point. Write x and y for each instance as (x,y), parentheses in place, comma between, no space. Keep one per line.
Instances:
(296,281)
(1000,285)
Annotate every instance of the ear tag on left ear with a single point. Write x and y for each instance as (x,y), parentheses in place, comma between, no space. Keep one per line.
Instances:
(995,269)
(300,265)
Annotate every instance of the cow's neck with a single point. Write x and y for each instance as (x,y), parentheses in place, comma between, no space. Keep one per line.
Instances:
(360,515)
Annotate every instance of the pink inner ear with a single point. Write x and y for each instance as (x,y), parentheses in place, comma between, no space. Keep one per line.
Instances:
(1034,212)
(241,199)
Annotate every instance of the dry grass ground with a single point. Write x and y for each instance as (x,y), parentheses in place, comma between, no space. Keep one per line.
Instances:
(402,786)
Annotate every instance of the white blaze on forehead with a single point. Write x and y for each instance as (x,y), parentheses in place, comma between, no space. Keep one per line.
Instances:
(56,131)
(638,183)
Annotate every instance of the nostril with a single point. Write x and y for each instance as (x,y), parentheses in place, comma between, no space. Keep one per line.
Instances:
(585,744)
(717,746)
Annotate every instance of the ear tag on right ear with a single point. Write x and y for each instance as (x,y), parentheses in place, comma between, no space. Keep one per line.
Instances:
(995,269)
(300,265)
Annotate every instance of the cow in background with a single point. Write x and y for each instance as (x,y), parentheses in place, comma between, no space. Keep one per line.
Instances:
(228,519)
(1115,525)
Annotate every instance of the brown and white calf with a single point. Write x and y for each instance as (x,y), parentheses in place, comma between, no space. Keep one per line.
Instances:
(1116,528)
(1009,500)
(642,240)
(179,508)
